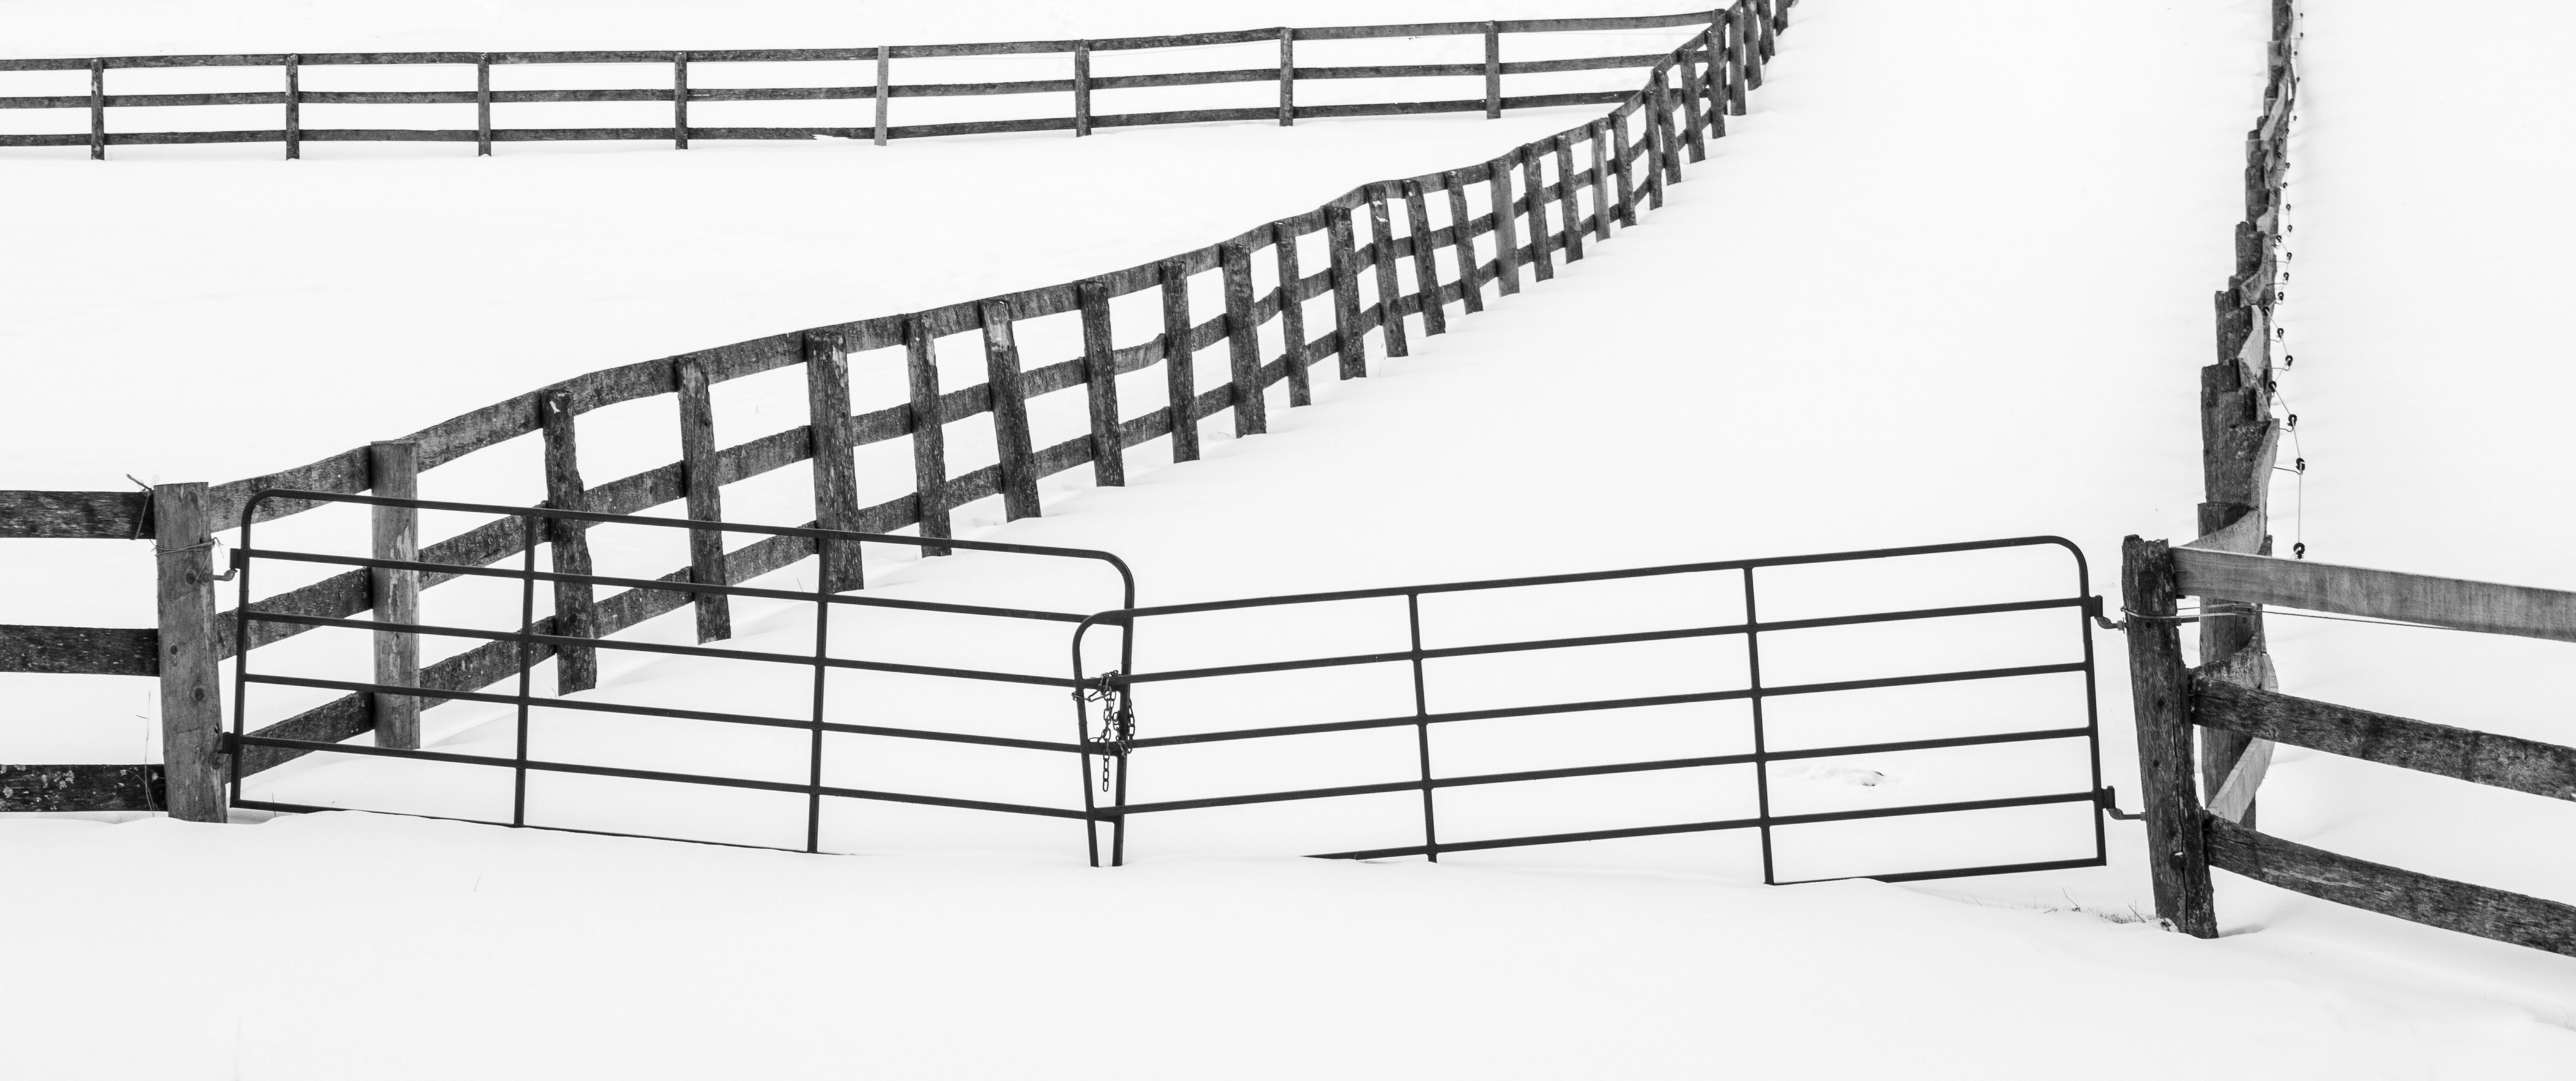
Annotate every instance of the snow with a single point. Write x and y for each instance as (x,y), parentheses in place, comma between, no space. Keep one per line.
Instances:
(1877,316)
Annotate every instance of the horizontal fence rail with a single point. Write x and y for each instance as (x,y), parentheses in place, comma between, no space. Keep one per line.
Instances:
(1423,248)
(1078,84)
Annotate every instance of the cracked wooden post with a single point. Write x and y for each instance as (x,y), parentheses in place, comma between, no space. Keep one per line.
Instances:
(1471,297)
(576,667)
(98,110)
(2160,696)
(1243,342)
(1019,481)
(1426,261)
(192,714)
(680,101)
(1390,290)
(1292,313)
(394,595)
(1287,77)
(1180,376)
(1100,379)
(836,471)
(1346,292)
(701,474)
(929,434)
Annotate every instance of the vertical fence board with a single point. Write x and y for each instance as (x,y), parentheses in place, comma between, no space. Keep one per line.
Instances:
(1081,88)
(1569,206)
(1426,261)
(1292,314)
(884,58)
(1180,375)
(294,108)
(576,667)
(1671,148)
(836,471)
(2160,690)
(1010,412)
(1346,293)
(1287,77)
(1601,203)
(1735,92)
(1535,185)
(393,472)
(1493,72)
(1243,342)
(1471,297)
(1390,290)
(98,110)
(1688,71)
(192,715)
(929,430)
(1507,234)
(1712,82)
(1100,380)
(700,482)
(483,106)
(1619,156)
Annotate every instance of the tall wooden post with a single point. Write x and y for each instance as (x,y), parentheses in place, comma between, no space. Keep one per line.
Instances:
(680,101)
(1507,236)
(2160,696)
(1569,204)
(394,473)
(1390,294)
(294,108)
(1081,88)
(192,713)
(1010,412)
(1180,376)
(1534,187)
(98,110)
(1292,313)
(836,477)
(576,667)
(701,480)
(1346,292)
(483,106)
(1690,84)
(1100,379)
(1471,296)
(929,433)
(884,62)
(1493,72)
(1287,77)
(1426,261)
(1243,341)
(1619,158)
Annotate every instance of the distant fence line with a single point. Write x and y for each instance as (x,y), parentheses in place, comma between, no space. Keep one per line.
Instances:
(1539,208)
(1081,85)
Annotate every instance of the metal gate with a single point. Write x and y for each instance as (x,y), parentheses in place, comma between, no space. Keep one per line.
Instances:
(1124,731)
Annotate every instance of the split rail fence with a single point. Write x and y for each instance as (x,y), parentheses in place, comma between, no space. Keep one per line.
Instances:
(1080,85)
(1537,208)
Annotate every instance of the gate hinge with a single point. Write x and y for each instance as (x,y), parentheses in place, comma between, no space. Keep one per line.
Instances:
(2109,800)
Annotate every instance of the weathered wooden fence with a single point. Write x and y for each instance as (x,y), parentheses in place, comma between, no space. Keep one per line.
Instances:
(1538,207)
(1079,85)
(2186,838)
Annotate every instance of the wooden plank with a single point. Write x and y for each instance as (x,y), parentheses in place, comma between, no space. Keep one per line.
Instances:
(1100,370)
(1471,297)
(1619,161)
(1507,242)
(2522,765)
(883,63)
(395,594)
(1534,190)
(2420,898)
(1712,84)
(700,468)
(2459,604)
(1493,72)
(1599,131)
(1659,146)
(74,515)
(1346,294)
(1180,377)
(1569,204)
(1736,97)
(929,434)
(2160,699)
(1292,314)
(68,789)
(1243,342)
(836,471)
(1688,71)
(1287,77)
(568,546)
(1426,261)
(98,110)
(1010,412)
(80,651)
(1390,290)
(192,715)
(294,111)
(1082,89)
(1668,144)
(483,106)
(680,101)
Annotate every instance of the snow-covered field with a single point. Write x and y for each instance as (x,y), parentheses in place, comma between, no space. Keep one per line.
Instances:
(1949,281)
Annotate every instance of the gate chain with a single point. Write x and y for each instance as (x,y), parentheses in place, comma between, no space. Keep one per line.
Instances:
(1117,722)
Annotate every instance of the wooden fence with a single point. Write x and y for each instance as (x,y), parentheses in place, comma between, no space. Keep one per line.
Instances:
(1538,207)
(2186,838)
(1079,85)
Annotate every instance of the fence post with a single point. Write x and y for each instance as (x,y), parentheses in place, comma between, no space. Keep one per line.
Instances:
(883,56)
(1100,378)
(294,108)
(576,667)
(394,473)
(1620,155)
(1081,88)
(1493,72)
(1462,237)
(701,478)
(192,714)
(836,478)
(1507,233)
(680,101)
(1010,411)
(1735,61)
(1426,261)
(1180,376)
(1601,205)
(1568,206)
(1712,81)
(1688,70)
(1243,342)
(98,110)
(929,433)
(1287,77)
(1390,292)
(1292,312)
(1535,185)
(1754,53)
(2160,690)
(483,105)
(1766,17)
(1346,292)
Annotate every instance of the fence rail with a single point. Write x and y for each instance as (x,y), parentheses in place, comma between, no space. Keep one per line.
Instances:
(1546,200)
(1079,83)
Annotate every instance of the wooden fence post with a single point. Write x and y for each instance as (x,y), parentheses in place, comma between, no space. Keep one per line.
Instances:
(1243,342)
(1180,375)
(1346,292)
(1619,158)
(1507,233)
(1735,61)
(1081,88)
(1426,261)
(884,55)
(1569,205)
(294,108)
(1010,412)
(98,110)
(1390,291)
(1534,183)
(929,433)
(1712,81)
(394,595)
(192,713)
(1493,72)
(836,473)
(1287,77)
(1100,379)
(1753,46)
(1292,313)
(680,101)
(1688,71)
(701,480)
(2160,694)
(1601,204)
(483,106)
(576,667)
(1462,237)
